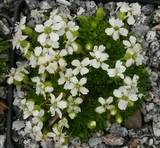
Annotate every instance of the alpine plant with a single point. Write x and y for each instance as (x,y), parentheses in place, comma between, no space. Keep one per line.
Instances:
(76,75)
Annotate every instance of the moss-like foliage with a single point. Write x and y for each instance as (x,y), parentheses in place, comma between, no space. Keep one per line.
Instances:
(99,83)
(92,32)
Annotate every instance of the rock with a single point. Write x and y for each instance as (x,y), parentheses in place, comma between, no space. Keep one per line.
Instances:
(147,9)
(149,107)
(134,143)
(156,129)
(94,141)
(110,139)
(32,4)
(44,5)
(157,16)
(90,7)
(151,36)
(150,142)
(2,140)
(118,130)
(64,2)
(141,30)
(135,121)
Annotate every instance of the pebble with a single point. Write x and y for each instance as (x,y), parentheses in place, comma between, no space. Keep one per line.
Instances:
(135,121)
(118,130)
(141,30)
(94,141)
(150,107)
(147,9)
(156,129)
(2,140)
(134,143)
(110,139)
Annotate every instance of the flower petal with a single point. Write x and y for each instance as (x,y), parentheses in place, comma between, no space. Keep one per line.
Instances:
(83,90)
(122,104)
(100,109)
(123,31)
(109,31)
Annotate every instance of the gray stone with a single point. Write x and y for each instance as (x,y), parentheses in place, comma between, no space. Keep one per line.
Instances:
(156,125)
(94,141)
(44,5)
(119,131)
(2,140)
(147,9)
(141,30)
(32,4)
(113,140)
(150,107)
(157,16)
(150,141)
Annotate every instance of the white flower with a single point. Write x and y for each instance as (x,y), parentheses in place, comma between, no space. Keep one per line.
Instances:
(20,25)
(118,70)
(81,66)
(57,104)
(42,87)
(48,60)
(72,26)
(27,107)
(59,139)
(131,11)
(37,116)
(65,78)
(73,106)
(17,39)
(99,57)
(134,53)
(17,74)
(58,57)
(132,82)
(34,130)
(71,45)
(76,86)
(122,104)
(124,7)
(134,11)
(117,29)
(52,29)
(46,31)
(105,105)
(127,93)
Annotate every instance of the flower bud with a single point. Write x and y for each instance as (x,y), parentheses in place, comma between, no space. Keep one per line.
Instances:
(100,14)
(91,124)
(27,31)
(113,111)
(88,46)
(119,119)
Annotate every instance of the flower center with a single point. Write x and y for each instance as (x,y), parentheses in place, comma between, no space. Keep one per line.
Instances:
(48,30)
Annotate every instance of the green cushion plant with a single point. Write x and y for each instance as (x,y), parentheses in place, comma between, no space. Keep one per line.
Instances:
(78,73)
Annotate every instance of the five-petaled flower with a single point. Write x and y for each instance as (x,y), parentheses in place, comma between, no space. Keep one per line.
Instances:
(117,28)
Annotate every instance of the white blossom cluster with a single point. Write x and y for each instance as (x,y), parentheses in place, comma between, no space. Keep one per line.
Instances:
(48,60)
